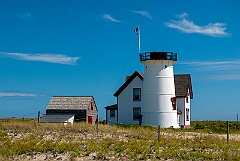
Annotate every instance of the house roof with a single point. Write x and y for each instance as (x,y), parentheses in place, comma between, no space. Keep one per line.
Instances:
(70,102)
(54,118)
(182,84)
(112,107)
(128,81)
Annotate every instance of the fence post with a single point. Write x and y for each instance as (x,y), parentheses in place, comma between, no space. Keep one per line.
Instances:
(97,127)
(228,132)
(38,116)
(158,132)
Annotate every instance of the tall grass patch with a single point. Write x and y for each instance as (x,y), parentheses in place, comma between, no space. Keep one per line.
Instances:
(204,141)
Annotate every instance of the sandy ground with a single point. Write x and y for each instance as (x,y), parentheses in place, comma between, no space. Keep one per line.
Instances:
(92,156)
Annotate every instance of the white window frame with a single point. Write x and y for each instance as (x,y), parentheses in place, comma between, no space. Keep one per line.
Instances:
(136,94)
(112,114)
(135,117)
(187,114)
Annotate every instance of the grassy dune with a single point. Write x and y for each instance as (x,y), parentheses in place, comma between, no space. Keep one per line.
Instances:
(27,140)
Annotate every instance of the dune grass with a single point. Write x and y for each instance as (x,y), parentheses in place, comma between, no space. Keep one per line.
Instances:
(20,137)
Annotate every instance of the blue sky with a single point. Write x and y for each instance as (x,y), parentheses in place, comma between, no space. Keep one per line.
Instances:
(81,48)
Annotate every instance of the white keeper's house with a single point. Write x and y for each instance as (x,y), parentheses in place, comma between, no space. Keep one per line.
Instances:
(157,97)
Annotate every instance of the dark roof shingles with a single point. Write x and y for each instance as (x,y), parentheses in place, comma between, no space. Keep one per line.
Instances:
(182,84)
(70,102)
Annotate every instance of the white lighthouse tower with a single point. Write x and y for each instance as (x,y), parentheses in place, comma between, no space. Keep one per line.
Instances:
(158,93)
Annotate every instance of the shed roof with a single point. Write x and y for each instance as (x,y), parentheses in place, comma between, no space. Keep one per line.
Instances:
(182,84)
(70,102)
(55,118)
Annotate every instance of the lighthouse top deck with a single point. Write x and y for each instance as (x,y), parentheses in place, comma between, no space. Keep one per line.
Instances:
(158,56)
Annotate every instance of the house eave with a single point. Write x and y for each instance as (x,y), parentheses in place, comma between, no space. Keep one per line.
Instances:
(112,107)
(128,81)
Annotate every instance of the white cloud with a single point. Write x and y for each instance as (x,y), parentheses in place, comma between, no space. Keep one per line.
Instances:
(143,13)
(187,26)
(216,70)
(110,18)
(17,94)
(24,16)
(50,58)
(184,15)
(225,77)
(225,65)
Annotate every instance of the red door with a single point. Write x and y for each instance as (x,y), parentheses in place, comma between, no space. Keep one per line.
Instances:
(90,119)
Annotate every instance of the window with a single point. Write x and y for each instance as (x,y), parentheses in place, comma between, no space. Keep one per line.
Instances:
(112,113)
(187,99)
(187,114)
(136,94)
(136,113)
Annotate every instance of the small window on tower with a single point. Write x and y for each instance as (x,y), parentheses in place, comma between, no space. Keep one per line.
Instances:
(136,94)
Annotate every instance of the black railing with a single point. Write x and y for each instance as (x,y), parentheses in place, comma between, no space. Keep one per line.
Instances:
(158,56)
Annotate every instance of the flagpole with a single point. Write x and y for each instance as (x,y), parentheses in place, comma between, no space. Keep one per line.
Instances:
(137,31)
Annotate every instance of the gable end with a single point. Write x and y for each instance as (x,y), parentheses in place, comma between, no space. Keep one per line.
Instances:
(128,81)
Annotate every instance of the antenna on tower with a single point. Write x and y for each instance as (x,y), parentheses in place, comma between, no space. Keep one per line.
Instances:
(137,31)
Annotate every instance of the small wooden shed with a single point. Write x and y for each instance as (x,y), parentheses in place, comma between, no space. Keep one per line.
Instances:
(82,107)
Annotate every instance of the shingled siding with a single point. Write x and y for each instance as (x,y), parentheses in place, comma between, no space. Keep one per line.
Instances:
(183,85)
(83,107)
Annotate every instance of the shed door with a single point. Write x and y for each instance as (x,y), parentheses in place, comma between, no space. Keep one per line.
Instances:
(90,119)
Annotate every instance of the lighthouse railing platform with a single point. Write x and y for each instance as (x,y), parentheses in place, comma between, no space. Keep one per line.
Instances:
(158,56)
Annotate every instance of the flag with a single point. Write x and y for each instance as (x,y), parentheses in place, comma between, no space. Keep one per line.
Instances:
(136,31)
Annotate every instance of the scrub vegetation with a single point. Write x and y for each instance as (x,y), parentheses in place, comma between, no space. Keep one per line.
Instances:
(25,139)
